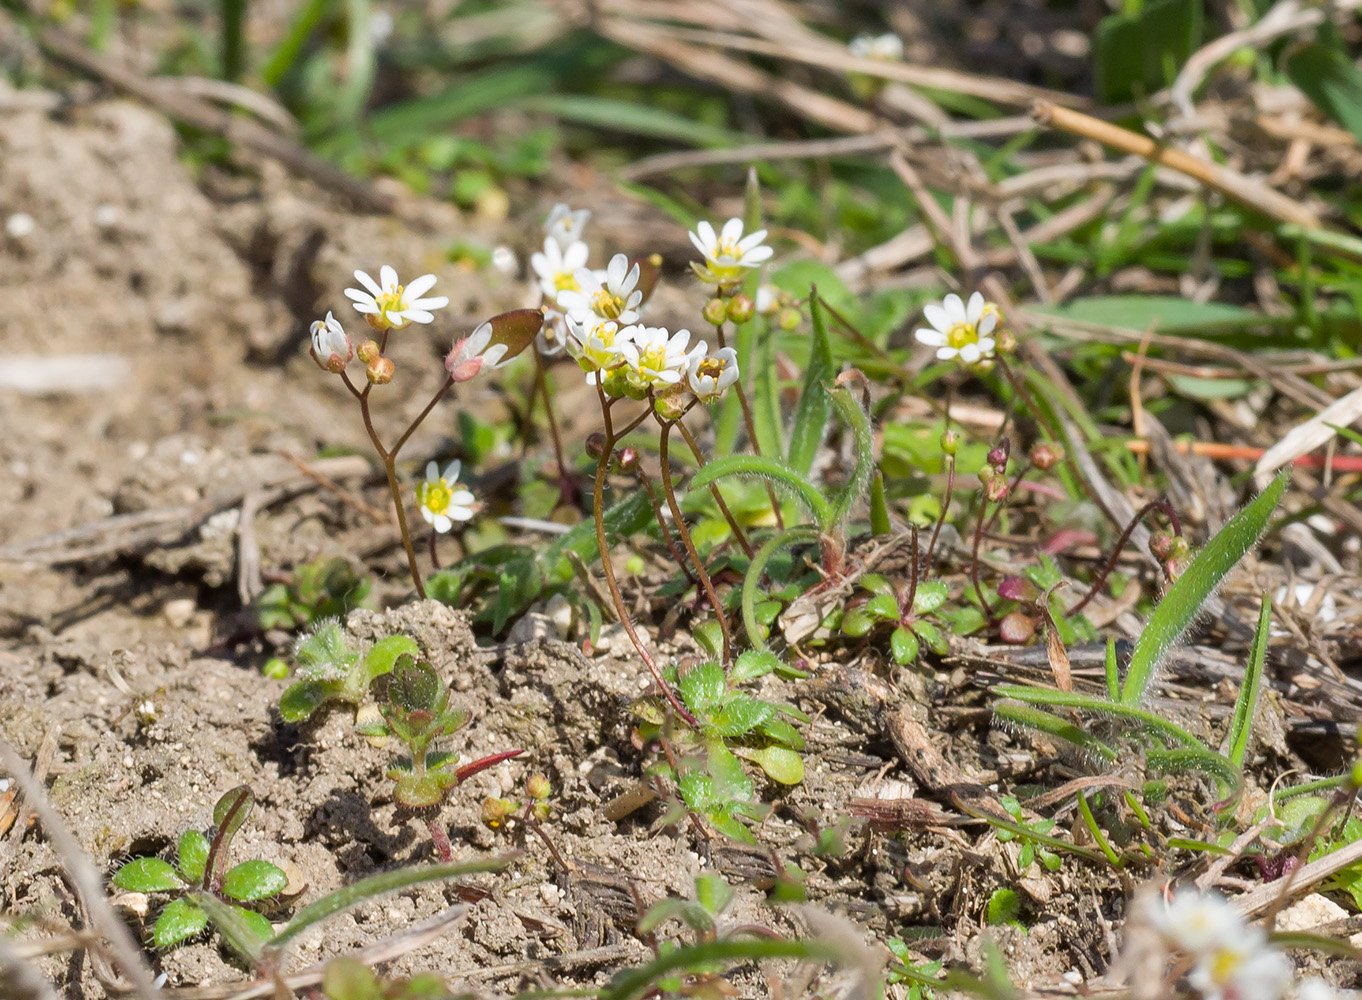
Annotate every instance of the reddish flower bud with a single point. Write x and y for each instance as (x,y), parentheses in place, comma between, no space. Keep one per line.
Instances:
(999,453)
(380,371)
(595,444)
(950,441)
(1047,454)
(995,490)
(1018,588)
(715,312)
(1017,628)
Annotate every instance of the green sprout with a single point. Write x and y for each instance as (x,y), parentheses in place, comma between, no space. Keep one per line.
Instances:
(201,877)
(889,605)
(330,669)
(323,588)
(1032,848)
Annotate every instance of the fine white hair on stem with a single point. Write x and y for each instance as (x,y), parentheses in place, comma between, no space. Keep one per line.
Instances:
(85,876)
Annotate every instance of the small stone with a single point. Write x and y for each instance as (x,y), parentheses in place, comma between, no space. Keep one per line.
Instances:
(20,225)
(180,611)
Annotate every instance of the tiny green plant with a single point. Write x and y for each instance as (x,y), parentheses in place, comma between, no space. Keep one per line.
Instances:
(729,724)
(331,669)
(201,872)
(1032,849)
(321,589)
(1168,747)
(903,611)
(348,978)
(415,707)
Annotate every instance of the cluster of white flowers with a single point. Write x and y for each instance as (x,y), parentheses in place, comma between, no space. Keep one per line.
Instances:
(959,330)
(597,315)
(1230,959)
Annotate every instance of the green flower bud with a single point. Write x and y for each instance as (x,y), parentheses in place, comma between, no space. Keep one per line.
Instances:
(715,312)
(740,308)
(789,319)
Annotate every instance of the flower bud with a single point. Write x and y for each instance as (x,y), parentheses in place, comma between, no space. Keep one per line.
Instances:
(537,786)
(1047,454)
(595,444)
(1005,341)
(669,407)
(999,453)
(982,367)
(1016,628)
(789,319)
(495,811)
(367,351)
(628,459)
(380,371)
(1018,588)
(331,347)
(995,490)
(950,441)
(715,312)
(741,308)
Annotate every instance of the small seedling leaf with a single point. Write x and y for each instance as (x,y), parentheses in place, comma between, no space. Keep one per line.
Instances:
(1241,726)
(148,875)
(193,855)
(753,664)
(740,715)
(1185,598)
(231,811)
(244,931)
(383,657)
(931,594)
(179,921)
(782,732)
(702,688)
(303,698)
(780,764)
(713,893)
(347,978)
(857,622)
(1003,907)
(883,606)
(903,645)
(413,685)
(252,880)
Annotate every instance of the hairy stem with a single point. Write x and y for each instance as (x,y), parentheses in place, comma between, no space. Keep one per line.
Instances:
(669,492)
(656,504)
(733,526)
(598,509)
(1110,564)
(945,507)
(441,839)
(974,558)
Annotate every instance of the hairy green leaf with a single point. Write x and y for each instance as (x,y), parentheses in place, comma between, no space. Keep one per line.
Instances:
(815,406)
(179,921)
(1241,726)
(252,880)
(148,875)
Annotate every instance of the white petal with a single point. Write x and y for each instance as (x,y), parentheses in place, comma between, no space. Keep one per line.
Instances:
(616,269)
(986,345)
(358,296)
(368,282)
(432,471)
(946,353)
(708,238)
(441,523)
(932,338)
(755,256)
(699,244)
(462,513)
(461,498)
(668,376)
(428,515)
(987,324)
(938,317)
(732,230)
(955,309)
(748,242)
(969,353)
(492,356)
(368,308)
(434,302)
(452,471)
(420,286)
(975,309)
(413,315)
(576,256)
(387,278)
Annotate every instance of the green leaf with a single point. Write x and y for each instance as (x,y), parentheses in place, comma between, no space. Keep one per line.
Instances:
(1241,726)
(933,637)
(1158,313)
(347,978)
(241,928)
(863,439)
(731,783)
(1325,74)
(252,880)
(780,764)
(815,406)
(193,855)
(883,606)
(1003,907)
(782,732)
(879,506)
(857,622)
(634,982)
(1050,724)
(231,811)
(179,921)
(627,117)
(1183,601)
(413,686)
(383,656)
(903,645)
(931,594)
(702,688)
(1099,706)
(1134,54)
(752,578)
(713,893)
(753,664)
(709,635)
(740,715)
(302,698)
(772,470)
(148,875)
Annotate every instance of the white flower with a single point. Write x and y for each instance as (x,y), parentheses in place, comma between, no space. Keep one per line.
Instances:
(557,267)
(654,358)
(564,226)
(959,330)
(1196,923)
(331,347)
(710,375)
(728,252)
(387,304)
(593,345)
(553,337)
(1246,969)
(441,503)
(885,48)
(504,262)
(612,294)
(473,353)
(768,300)
(1314,988)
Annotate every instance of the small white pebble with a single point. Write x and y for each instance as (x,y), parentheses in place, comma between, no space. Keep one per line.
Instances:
(128,761)
(395,916)
(1073,976)
(190,457)
(106,216)
(19,225)
(503,259)
(549,893)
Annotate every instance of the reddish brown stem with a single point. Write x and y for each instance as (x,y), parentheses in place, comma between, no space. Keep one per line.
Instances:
(1110,564)
(945,507)
(733,526)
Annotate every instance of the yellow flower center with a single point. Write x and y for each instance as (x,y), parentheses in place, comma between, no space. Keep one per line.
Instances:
(652,359)
(961,334)
(603,303)
(712,367)
(1223,965)
(728,248)
(390,300)
(434,496)
(565,282)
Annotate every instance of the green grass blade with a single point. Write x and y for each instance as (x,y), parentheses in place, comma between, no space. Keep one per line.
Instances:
(1052,725)
(774,471)
(766,391)
(1113,672)
(751,583)
(376,885)
(286,51)
(1184,599)
(1087,703)
(629,118)
(631,984)
(811,416)
(1241,726)
(1201,760)
(233,39)
(864,439)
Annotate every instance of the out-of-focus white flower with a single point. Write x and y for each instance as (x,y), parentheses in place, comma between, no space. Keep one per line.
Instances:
(1314,988)
(710,375)
(768,300)
(653,358)
(387,304)
(472,354)
(885,48)
(553,336)
(960,331)
(557,267)
(442,500)
(727,253)
(1195,922)
(504,261)
(564,226)
(593,345)
(380,28)
(331,347)
(612,294)
(1247,969)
